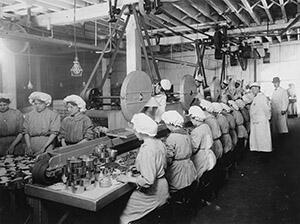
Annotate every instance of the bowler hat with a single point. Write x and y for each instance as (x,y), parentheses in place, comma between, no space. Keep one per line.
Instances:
(276,79)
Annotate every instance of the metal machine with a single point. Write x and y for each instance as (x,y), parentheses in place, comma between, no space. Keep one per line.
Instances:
(136,90)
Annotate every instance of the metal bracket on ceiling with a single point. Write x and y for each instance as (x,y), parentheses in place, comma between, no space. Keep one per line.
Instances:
(113,11)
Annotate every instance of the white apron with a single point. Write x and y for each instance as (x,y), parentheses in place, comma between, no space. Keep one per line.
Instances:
(260,135)
(280,102)
(151,162)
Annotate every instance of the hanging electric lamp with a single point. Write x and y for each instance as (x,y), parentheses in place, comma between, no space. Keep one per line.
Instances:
(29,85)
(76,69)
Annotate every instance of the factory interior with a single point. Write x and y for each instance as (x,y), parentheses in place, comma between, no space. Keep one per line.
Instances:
(149,111)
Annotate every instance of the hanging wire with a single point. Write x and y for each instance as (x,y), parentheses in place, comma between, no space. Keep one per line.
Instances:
(74,29)
(29,85)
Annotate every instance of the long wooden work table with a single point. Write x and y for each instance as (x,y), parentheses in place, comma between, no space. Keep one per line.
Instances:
(92,200)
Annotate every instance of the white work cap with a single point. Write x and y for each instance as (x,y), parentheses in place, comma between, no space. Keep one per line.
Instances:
(172,117)
(46,98)
(241,104)
(144,124)
(165,84)
(254,84)
(233,104)
(197,113)
(6,96)
(205,104)
(226,107)
(248,98)
(77,100)
(217,107)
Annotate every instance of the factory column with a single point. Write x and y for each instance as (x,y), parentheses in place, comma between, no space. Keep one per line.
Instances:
(133,47)
(9,76)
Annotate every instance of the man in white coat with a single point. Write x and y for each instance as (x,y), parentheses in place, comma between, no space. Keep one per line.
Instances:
(260,114)
(279,103)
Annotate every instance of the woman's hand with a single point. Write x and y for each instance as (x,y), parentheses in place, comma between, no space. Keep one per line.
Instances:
(29,151)
(10,150)
(123,178)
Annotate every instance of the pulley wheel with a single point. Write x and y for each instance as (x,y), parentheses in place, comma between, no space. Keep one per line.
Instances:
(136,90)
(15,46)
(188,91)
(90,94)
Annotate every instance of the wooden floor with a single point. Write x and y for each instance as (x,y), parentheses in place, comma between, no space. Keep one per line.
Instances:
(264,189)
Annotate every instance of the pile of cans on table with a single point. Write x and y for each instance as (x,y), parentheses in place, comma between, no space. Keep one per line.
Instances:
(15,171)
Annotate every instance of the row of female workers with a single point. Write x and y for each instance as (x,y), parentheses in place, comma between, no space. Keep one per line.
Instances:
(165,169)
(41,126)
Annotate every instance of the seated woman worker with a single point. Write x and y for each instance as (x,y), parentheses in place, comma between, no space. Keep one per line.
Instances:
(151,185)
(76,127)
(11,126)
(204,158)
(41,125)
(181,171)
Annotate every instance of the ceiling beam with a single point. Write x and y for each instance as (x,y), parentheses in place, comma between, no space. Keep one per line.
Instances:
(223,11)
(14,7)
(279,39)
(234,8)
(260,30)
(87,13)
(266,7)
(46,6)
(189,11)
(55,3)
(8,2)
(79,3)
(252,13)
(185,29)
(269,39)
(92,1)
(203,7)
(166,20)
(282,7)
(179,12)
(46,40)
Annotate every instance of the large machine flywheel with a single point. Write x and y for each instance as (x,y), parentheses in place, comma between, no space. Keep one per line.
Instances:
(137,90)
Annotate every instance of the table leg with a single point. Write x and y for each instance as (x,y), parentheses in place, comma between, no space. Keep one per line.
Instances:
(40,215)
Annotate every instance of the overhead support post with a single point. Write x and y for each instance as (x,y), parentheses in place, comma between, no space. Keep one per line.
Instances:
(200,51)
(139,29)
(133,47)
(142,21)
(223,71)
(114,56)
(102,54)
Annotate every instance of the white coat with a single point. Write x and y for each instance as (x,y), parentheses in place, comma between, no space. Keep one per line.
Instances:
(279,102)
(162,102)
(260,135)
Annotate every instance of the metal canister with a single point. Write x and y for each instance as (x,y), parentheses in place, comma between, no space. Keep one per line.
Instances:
(113,154)
(107,160)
